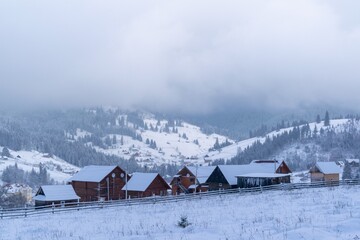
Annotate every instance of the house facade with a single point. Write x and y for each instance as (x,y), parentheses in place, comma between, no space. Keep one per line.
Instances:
(95,183)
(48,195)
(325,171)
(145,185)
(191,179)
(226,176)
(261,179)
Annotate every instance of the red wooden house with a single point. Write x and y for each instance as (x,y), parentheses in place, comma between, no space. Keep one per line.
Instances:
(94,183)
(191,179)
(145,185)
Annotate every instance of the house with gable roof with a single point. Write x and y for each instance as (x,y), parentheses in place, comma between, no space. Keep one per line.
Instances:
(191,179)
(48,195)
(325,171)
(257,173)
(146,185)
(95,183)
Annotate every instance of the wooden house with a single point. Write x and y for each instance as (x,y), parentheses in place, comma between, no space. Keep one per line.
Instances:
(95,183)
(191,179)
(325,171)
(55,194)
(146,185)
(226,176)
(261,179)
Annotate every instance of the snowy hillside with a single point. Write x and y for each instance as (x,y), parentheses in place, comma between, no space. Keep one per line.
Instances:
(182,144)
(58,169)
(327,213)
(231,151)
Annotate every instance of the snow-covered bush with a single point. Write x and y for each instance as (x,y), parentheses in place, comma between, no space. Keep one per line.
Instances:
(183,222)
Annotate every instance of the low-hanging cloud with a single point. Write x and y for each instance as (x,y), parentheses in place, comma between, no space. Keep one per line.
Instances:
(192,56)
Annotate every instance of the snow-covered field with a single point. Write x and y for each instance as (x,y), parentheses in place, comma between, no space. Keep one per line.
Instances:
(328,213)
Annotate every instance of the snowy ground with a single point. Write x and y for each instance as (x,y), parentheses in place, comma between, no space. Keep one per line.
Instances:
(328,213)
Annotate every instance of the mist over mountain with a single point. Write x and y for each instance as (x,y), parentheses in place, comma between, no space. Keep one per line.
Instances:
(180,57)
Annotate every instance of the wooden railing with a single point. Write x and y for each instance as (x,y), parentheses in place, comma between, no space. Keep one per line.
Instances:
(59,208)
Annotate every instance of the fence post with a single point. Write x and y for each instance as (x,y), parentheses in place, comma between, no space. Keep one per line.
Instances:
(53,207)
(1,209)
(25,210)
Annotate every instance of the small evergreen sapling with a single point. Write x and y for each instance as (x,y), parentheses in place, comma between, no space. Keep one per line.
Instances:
(183,222)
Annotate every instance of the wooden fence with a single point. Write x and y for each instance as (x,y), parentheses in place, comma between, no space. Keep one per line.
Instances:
(54,209)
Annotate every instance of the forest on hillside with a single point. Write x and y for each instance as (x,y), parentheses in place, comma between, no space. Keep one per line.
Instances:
(54,132)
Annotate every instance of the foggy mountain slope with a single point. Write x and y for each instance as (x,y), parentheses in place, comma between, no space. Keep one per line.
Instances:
(141,141)
(158,142)
(229,152)
(59,170)
(107,136)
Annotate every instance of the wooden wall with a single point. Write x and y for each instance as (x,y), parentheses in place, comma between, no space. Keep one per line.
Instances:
(92,191)
(217,180)
(158,187)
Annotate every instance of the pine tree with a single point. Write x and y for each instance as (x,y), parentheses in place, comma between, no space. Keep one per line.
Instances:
(347,171)
(216,144)
(327,119)
(315,132)
(318,119)
(5,152)
(108,141)
(184,136)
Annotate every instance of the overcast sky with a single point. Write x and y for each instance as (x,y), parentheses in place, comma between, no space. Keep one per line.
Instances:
(180,55)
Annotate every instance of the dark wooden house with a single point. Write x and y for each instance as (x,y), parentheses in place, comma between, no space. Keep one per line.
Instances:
(225,176)
(261,179)
(48,195)
(191,179)
(94,183)
(146,185)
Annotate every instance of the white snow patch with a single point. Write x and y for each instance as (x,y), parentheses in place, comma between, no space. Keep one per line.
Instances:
(327,213)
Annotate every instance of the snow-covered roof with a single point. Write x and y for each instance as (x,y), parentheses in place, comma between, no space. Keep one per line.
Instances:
(140,181)
(56,193)
(352,160)
(92,173)
(328,167)
(264,175)
(202,173)
(231,171)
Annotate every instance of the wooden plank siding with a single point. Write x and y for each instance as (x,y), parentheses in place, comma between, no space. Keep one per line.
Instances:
(185,178)
(317,176)
(217,180)
(157,187)
(105,189)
